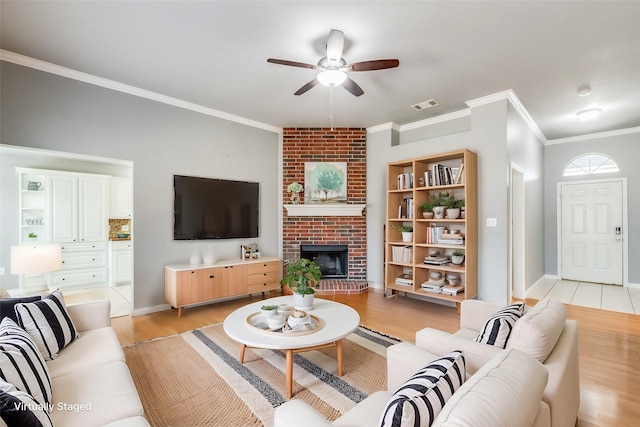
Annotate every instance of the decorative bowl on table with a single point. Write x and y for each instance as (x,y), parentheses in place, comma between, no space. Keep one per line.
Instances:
(285,310)
(122,235)
(299,317)
(275,321)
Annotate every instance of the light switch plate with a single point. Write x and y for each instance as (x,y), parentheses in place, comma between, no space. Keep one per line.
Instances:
(124,228)
(492,222)
(1,271)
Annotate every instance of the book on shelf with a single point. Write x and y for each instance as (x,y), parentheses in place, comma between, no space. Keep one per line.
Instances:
(431,287)
(405,181)
(435,260)
(405,279)
(406,208)
(403,254)
(452,289)
(446,175)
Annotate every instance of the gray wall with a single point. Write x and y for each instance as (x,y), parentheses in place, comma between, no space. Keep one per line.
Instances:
(46,111)
(625,150)
(488,138)
(526,151)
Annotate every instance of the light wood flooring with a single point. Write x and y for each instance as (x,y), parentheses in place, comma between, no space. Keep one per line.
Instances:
(609,343)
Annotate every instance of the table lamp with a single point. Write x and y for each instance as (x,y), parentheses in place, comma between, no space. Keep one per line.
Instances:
(34,260)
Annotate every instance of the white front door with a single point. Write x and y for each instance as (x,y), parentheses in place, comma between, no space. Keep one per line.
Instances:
(591,235)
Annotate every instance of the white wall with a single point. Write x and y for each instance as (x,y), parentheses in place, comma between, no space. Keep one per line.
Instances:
(45,111)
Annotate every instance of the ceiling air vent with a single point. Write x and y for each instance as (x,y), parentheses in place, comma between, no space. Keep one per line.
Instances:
(426,104)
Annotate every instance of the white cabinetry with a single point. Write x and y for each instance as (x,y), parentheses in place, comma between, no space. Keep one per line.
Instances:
(79,208)
(82,264)
(120,262)
(121,190)
(71,209)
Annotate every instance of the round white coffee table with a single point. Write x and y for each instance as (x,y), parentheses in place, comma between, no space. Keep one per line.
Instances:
(338,321)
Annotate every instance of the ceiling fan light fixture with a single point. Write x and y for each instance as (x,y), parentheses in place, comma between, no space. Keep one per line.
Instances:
(589,114)
(332,77)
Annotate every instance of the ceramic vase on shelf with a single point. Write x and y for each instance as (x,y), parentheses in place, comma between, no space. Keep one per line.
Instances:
(438,212)
(196,257)
(209,255)
(453,213)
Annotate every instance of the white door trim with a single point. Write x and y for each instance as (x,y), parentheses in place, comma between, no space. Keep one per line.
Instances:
(625,222)
(516,231)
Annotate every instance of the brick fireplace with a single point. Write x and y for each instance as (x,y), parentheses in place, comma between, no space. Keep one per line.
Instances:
(302,145)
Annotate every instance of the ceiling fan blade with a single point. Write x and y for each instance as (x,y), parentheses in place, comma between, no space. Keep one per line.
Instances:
(293,63)
(352,87)
(306,87)
(378,64)
(335,45)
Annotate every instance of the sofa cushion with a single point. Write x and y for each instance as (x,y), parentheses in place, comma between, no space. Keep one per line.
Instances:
(48,323)
(497,328)
(21,364)
(537,332)
(7,306)
(92,348)
(419,400)
(95,396)
(505,392)
(18,408)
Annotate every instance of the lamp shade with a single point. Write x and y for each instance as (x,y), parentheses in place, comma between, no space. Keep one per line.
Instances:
(35,259)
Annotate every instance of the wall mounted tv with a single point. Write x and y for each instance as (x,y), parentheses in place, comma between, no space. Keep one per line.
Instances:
(206,208)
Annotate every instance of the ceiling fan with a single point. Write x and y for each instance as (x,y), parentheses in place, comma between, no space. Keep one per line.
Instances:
(333,67)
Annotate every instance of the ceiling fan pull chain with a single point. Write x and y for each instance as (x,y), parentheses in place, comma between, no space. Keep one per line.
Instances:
(331,105)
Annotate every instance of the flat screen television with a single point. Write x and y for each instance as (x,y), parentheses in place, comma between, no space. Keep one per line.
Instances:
(206,208)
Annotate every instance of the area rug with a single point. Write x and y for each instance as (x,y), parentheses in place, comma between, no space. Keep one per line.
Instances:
(195,378)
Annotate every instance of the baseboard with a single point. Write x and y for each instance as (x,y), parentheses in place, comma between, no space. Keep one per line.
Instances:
(632,285)
(149,310)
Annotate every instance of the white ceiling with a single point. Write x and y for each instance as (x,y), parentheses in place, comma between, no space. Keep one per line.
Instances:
(213,53)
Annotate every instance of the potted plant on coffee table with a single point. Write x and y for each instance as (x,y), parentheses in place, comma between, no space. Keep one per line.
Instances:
(300,275)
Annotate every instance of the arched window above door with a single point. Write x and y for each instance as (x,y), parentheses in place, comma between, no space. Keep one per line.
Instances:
(590,164)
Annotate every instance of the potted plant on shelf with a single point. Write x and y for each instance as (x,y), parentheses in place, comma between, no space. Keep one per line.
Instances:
(427,207)
(295,188)
(442,201)
(453,211)
(457,257)
(407,232)
(300,276)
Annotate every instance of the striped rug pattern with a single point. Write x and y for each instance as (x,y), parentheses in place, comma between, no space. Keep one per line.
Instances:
(195,378)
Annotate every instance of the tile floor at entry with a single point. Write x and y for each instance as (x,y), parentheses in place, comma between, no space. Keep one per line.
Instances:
(120,297)
(593,295)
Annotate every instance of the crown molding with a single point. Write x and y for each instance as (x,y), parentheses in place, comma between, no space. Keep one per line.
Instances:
(510,96)
(383,127)
(437,119)
(47,67)
(594,136)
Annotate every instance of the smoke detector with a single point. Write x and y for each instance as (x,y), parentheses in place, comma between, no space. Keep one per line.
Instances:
(426,104)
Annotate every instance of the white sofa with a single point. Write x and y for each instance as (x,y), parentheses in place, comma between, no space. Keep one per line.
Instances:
(90,380)
(506,392)
(544,332)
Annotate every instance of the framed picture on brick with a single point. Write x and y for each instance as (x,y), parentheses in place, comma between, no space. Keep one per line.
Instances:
(325,182)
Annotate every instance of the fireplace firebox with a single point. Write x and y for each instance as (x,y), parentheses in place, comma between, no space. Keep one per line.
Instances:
(332,259)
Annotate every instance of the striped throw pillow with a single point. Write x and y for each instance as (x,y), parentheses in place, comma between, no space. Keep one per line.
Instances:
(21,363)
(421,398)
(18,408)
(48,323)
(497,330)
